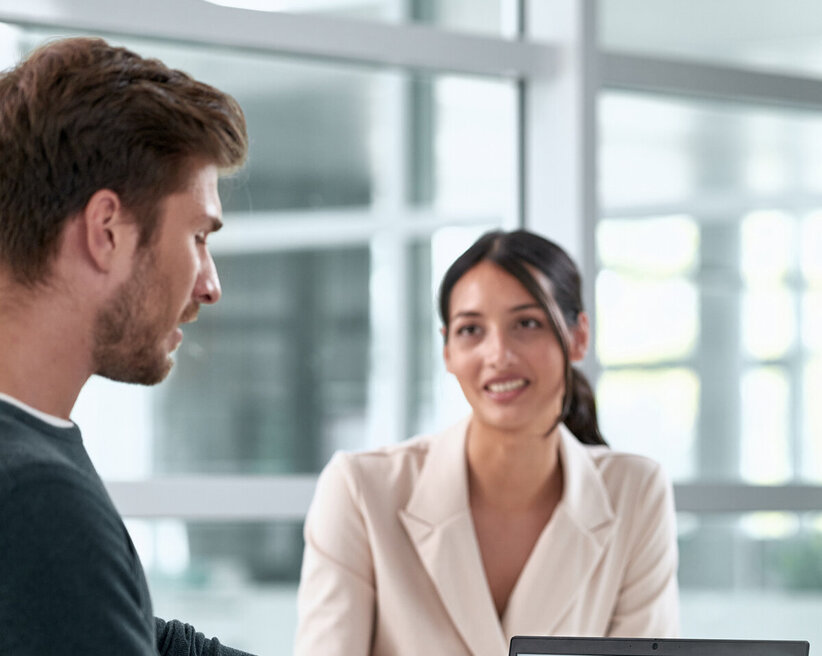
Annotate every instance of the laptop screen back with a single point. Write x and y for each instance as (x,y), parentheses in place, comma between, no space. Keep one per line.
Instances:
(541,646)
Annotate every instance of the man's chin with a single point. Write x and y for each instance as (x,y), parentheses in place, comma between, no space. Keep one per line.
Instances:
(142,374)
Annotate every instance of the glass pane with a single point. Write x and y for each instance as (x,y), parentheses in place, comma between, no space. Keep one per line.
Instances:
(749,179)
(274,378)
(811,249)
(659,247)
(812,321)
(475,159)
(751,576)
(424,347)
(768,321)
(653,413)
(812,420)
(237,582)
(643,319)
(765,455)
(757,33)
(767,246)
(659,150)
(489,16)
(337,136)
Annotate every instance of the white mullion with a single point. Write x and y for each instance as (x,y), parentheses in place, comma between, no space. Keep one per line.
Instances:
(303,35)
(560,130)
(709,81)
(388,309)
(560,187)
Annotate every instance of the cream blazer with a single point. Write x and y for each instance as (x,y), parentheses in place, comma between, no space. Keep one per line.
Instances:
(392,566)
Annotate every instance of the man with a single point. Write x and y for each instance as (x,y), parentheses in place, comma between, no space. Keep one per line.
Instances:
(108,191)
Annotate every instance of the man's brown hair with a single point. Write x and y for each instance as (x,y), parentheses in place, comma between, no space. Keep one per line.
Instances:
(79,115)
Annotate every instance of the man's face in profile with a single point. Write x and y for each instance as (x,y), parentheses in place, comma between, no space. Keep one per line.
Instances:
(138,328)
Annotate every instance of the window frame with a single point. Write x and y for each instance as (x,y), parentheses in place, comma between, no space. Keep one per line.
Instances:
(560,72)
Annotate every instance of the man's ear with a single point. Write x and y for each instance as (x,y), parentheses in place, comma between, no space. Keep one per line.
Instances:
(111,233)
(580,336)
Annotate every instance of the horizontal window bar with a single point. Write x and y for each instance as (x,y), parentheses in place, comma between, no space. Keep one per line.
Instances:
(260,232)
(267,498)
(215,498)
(741,498)
(715,208)
(710,81)
(369,42)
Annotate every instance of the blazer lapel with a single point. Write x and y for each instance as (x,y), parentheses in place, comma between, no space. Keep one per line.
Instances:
(438,522)
(568,549)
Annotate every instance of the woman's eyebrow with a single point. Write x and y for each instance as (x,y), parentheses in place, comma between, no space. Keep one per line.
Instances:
(466,313)
(526,306)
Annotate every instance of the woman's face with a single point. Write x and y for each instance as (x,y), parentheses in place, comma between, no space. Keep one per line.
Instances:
(503,351)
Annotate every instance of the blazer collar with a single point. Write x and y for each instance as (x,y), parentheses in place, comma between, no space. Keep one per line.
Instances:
(568,550)
(438,521)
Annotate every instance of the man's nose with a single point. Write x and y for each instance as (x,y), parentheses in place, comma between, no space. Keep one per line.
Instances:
(207,290)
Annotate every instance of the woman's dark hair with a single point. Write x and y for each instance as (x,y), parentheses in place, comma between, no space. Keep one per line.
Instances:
(515,252)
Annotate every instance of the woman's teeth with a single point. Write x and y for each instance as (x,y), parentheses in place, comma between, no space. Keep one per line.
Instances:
(507,386)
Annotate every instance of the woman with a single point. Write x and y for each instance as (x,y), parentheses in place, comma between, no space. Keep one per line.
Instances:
(519,519)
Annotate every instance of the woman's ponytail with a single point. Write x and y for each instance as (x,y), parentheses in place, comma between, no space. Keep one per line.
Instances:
(581,417)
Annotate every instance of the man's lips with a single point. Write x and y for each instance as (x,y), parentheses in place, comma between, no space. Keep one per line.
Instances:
(190,314)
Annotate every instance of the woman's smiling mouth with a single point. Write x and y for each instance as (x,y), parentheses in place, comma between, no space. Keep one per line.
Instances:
(506,386)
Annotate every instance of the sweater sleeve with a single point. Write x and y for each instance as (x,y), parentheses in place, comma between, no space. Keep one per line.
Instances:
(178,639)
(68,583)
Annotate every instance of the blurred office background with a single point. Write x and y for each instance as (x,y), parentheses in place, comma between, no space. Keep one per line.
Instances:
(674,148)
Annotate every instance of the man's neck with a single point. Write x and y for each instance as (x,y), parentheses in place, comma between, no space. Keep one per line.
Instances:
(44,348)
(42,416)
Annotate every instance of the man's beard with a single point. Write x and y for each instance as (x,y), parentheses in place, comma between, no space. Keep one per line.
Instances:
(128,340)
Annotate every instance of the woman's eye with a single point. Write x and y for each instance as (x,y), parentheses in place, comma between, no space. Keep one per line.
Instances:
(530,323)
(468,330)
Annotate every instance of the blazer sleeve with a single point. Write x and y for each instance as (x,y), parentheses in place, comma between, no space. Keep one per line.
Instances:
(648,602)
(335,600)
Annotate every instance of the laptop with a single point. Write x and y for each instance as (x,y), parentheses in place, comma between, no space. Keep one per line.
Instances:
(540,646)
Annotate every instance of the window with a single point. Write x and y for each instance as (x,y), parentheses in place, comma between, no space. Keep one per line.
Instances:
(679,166)
(706,250)
(365,180)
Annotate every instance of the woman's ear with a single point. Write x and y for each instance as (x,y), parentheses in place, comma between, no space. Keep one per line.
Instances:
(446,357)
(580,335)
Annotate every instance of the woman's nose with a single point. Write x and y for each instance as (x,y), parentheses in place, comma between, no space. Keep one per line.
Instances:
(498,348)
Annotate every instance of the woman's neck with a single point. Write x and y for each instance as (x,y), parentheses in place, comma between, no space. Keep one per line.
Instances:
(512,472)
